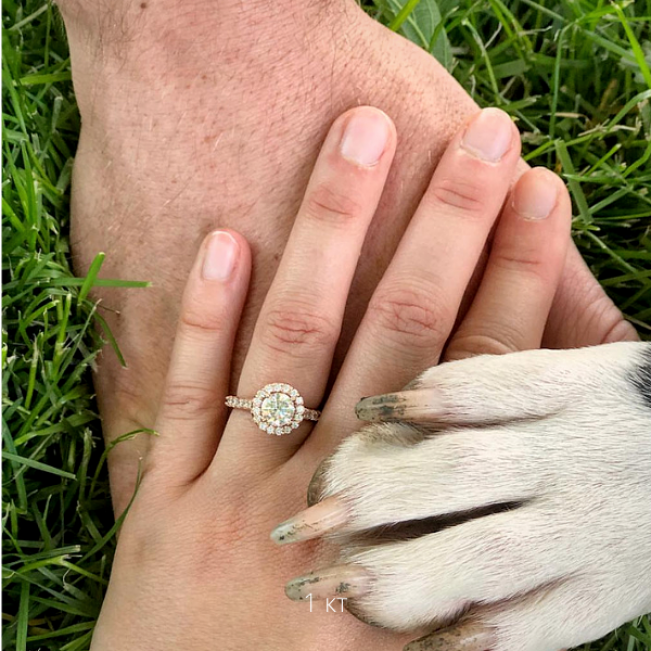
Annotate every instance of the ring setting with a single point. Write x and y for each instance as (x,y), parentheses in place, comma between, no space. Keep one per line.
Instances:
(276,408)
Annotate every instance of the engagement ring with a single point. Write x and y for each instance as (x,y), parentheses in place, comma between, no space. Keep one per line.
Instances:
(276,408)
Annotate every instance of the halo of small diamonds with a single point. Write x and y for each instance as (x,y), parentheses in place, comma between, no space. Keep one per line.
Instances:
(278,409)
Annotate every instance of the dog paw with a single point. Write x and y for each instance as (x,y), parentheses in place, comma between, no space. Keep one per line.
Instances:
(503,501)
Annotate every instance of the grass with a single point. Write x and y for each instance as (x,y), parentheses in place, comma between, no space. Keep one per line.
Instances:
(575,74)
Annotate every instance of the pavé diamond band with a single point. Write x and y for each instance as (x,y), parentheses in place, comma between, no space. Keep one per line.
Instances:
(276,408)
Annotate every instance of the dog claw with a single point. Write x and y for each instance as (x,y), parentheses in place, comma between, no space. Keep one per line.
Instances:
(342,581)
(469,637)
(322,518)
(403,405)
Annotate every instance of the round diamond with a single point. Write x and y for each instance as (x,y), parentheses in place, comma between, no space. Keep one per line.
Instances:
(277,409)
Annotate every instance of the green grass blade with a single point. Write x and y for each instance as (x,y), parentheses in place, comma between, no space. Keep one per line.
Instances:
(88,283)
(37,465)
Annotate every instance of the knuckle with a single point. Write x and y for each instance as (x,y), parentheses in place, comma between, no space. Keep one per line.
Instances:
(618,329)
(602,321)
(329,204)
(297,330)
(130,397)
(458,194)
(472,345)
(586,315)
(197,321)
(188,401)
(407,315)
(522,262)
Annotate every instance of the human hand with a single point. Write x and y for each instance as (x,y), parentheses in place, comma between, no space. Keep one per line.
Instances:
(194,566)
(240,131)
(194,562)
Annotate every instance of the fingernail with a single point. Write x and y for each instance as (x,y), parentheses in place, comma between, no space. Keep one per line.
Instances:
(220,256)
(535,195)
(365,138)
(404,405)
(489,135)
(470,637)
(343,581)
(326,516)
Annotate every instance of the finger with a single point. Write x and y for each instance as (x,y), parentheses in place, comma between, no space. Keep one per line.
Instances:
(300,321)
(582,314)
(415,305)
(192,411)
(526,261)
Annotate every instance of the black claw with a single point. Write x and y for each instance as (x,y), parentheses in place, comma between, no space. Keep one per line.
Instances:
(315,488)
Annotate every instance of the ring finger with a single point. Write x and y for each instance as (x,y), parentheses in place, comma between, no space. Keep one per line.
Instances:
(300,321)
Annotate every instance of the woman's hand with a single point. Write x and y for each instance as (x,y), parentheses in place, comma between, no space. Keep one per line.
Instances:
(195,567)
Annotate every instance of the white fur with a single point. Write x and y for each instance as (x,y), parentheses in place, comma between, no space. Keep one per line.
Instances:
(570,437)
